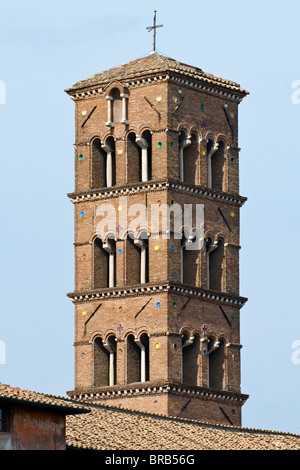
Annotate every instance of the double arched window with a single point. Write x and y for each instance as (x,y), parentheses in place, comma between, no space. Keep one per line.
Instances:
(139,153)
(136,255)
(105,367)
(194,362)
(105,360)
(137,358)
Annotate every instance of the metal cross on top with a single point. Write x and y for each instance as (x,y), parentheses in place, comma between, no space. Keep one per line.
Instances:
(154,27)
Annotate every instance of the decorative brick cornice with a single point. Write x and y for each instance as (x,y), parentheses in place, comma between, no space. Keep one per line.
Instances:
(157,185)
(132,390)
(184,80)
(146,289)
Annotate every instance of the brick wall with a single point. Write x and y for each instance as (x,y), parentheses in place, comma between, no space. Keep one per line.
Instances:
(164,316)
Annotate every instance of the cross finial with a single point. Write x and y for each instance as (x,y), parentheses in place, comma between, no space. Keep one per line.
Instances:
(154,27)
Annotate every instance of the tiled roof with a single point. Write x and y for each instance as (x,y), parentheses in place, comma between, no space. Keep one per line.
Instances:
(153,64)
(65,405)
(112,428)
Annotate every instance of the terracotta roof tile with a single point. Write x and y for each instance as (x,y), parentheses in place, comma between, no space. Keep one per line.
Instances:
(112,428)
(14,394)
(153,64)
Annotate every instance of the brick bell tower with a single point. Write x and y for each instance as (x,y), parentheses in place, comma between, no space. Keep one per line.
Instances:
(157,326)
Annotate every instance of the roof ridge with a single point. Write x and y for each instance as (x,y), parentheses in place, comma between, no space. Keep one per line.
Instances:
(152,64)
(187,420)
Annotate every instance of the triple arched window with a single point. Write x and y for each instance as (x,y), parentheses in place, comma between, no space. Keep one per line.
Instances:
(198,366)
(196,360)
(104,160)
(132,256)
(191,161)
(105,359)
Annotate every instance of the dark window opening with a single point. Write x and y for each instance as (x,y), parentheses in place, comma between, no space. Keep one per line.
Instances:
(4,425)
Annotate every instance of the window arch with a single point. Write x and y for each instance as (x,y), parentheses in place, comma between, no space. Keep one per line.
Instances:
(103,169)
(116,111)
(142,244)
(137,358)
(190,359)
(189,261)
(101,364)
(215,164)
(215,255)
(104,263)
(133,159)
(105,371)
(139,157)
(145,158)
(184,142)
(110,346)
(98,159)
(190,160)
(110,167)
(217,167)
(216,364)
(117,106)
(137,258)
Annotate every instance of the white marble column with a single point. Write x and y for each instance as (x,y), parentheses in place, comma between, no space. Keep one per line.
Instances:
(109,168)
(107,246)
(143,260)
(109,110)
(111,375)
(124,97)
(143,144)
(143,359)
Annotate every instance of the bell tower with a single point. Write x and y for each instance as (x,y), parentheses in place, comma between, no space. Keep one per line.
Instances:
(157,315)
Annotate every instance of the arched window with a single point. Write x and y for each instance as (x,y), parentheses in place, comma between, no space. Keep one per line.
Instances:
(217,167)
(117,106)
(105,362)
(110,167)
(142,244)
(98,165)
(216,364)
(133,361)
(215,265)
(184,142)
(145,159)
(104,263)
(190,160)
(137,358)
(103,163)
(189,262)
(101,364)
(190,359)
(137,256)
(143,343)
(133,159)
(110,346)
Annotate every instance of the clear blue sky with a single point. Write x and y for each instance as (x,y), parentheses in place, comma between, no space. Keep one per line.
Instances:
(45,47)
